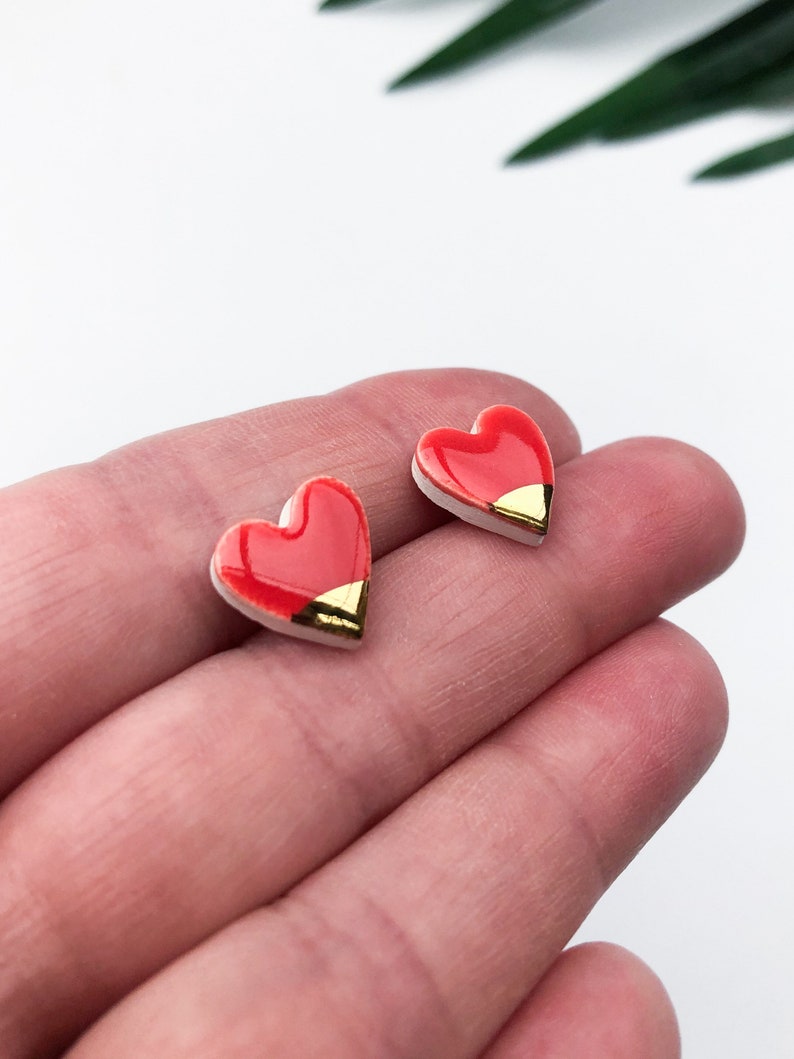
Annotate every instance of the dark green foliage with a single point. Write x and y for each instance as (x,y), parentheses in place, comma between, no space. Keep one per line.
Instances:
(719,72)
(748,62)
(326,4)
(515,19)
(772,153)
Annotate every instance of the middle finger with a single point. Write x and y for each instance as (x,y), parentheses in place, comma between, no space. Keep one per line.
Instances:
(239,776)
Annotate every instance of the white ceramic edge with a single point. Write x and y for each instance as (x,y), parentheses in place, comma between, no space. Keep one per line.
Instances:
(286,513)
(473,515)
(274,624)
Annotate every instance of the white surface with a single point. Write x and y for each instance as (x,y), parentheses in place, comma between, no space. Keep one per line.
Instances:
(187,186)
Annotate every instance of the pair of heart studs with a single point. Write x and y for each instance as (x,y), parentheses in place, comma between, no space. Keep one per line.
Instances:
(308,575)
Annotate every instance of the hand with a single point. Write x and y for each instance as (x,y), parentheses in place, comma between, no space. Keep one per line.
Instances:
(220,842)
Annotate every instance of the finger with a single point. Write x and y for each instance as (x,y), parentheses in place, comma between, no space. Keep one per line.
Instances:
(105,565)
(597,1002)
(425,936)
(240,777)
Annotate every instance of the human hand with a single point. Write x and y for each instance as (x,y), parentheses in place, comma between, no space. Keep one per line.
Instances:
(219,842)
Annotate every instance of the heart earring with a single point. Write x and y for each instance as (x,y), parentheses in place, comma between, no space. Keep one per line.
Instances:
(499,477)
(308,576)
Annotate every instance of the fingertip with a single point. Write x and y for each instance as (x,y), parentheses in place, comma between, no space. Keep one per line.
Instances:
(679,708)
(701,690)
(690,505)
(597,1000)
(636,994)
(702,476)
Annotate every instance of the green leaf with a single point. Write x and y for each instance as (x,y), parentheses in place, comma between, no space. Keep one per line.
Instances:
(514,19)
(327,4)
(761,89)
(759,42)
(774,152)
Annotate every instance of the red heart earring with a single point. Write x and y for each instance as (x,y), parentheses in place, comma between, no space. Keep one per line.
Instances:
(308,576)
(499,477)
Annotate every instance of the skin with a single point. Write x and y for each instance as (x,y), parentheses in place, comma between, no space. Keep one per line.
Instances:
(219,842)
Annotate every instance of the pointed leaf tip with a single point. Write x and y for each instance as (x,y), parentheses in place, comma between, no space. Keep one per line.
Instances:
(328,5)
(752,160)
(511,21)
(403,81)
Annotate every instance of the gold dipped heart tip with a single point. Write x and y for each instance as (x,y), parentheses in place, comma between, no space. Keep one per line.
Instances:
(529,506)
(341,612)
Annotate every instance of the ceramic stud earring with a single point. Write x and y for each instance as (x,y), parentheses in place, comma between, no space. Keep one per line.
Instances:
(308,576)
(499,477)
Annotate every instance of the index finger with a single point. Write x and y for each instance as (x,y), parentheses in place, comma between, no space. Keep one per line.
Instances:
(104,565)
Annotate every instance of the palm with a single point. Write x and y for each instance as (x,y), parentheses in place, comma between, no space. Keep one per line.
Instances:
(300,852)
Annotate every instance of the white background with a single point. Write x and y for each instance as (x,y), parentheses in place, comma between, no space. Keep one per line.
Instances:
(208,206)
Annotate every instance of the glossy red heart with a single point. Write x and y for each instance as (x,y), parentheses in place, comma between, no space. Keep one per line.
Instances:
(500,476)
(307,576)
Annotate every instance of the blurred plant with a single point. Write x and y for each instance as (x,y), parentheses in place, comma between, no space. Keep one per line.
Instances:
(747,62)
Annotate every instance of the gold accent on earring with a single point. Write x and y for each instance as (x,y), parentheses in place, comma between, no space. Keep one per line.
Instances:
(341,611)
(529,506)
